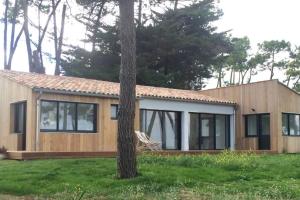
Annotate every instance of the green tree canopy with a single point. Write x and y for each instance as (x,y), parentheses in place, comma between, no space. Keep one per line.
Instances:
(176,50)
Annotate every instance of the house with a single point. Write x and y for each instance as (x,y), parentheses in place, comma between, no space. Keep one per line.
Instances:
(267,116)
(43,113)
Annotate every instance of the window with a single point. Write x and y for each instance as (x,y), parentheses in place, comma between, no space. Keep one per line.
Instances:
(67,112)
(86,117)
(290,124)
(19,110)
(285,124)
(209,131)
(114,111)
(251,125)
(163,127)
(68,116)
(48,115)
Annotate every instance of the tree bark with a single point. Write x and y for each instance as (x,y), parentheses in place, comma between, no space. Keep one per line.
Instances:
(60,42)
(126,157)
(5,35)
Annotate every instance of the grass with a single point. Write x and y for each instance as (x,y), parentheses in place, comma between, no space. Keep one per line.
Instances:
(224,176)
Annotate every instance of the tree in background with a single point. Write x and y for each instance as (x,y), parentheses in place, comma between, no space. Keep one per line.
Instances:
(17,15)
(175,49)
(126,159)
(237,60)
(293,69)
(272,52)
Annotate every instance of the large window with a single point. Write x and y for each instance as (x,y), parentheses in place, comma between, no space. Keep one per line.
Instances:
(290,124)
(209,131)
(19,117)
(68,116)
(162,127)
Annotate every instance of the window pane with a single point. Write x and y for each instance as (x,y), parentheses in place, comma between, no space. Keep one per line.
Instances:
(207,131)
(171,129)
(161,127)
(294,125)
(285,124)
(85,117)
(265,124)
(251,125)
(67,116)
(221,131)
(154,125)
(48,115)
(114,111)
(194,132)
(19,120)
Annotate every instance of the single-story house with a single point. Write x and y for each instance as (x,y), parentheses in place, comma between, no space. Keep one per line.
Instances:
(44,113)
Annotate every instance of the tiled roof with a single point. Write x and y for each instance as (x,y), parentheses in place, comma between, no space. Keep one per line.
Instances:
(105,88)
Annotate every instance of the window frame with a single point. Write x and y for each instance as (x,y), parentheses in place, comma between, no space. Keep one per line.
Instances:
(288,124)
(117,111)
(57,130)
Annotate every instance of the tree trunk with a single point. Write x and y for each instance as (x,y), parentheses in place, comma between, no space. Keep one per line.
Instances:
(13,44)
(126,157)
(55,35)
(27,36)
(175,4)
(14,47)
(5,35)
(140,13)
(39,35)
(60,42)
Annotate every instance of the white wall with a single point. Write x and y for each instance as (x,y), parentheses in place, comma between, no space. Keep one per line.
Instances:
(185,108)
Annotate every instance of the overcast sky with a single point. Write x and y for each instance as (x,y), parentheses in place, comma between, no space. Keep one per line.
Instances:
(258,19)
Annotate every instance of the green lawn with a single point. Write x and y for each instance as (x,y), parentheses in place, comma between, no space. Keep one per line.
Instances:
(223,176)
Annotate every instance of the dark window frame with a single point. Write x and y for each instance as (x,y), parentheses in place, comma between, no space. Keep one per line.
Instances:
(227,137)
(57,130)
(117,111)
(258,123)
(288,124)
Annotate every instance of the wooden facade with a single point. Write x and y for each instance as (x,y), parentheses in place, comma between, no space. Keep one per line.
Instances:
(104,139)
(266,97)
(259,98)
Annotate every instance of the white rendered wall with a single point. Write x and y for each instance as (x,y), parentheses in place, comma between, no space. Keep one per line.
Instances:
(187,107)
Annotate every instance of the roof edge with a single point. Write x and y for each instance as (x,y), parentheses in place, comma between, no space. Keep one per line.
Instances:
(66,92)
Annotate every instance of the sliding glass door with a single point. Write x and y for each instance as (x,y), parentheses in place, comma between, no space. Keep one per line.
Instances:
(209,131)
(163,127)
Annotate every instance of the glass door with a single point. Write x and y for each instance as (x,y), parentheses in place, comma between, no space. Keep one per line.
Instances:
(264,132)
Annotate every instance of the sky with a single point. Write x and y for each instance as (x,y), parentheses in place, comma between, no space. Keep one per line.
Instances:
(258,19)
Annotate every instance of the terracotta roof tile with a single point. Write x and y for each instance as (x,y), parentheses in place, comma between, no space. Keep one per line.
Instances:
(89,86)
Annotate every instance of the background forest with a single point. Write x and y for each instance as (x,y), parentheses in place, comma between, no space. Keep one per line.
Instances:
(178,43)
